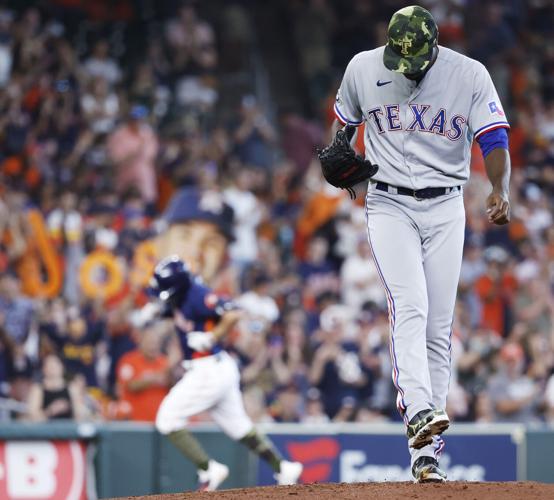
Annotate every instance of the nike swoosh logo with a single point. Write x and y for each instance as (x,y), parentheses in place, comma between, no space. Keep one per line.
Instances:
(380,83)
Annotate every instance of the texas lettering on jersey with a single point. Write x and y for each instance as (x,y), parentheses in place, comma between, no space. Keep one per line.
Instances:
(388,118)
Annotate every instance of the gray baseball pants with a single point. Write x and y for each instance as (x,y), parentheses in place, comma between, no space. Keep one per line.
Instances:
(417,248)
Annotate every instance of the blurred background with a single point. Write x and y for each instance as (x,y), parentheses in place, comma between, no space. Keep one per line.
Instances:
(233,97)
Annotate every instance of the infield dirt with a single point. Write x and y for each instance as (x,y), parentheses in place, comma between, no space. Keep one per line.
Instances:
(376,491)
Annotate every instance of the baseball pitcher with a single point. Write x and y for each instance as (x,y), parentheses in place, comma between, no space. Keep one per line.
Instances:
(423,105)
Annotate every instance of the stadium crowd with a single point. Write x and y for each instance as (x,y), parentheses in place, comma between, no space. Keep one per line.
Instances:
(97,135)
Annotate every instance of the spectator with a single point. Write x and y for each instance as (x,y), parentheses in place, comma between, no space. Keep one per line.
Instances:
(314,413)
(473,267)
(317,271)
(379,391)
(15,368)
(248,215)
(261,308)
(100,106)
(474,365)
(135,225)
(287,405)
(12,221)
(53,398)
(133,148)
(191,40)
(484,412)
(77,338)
(534,305)
(254,135)
(16,309)
(143,376)
(360,281)
(100,64)
(513,395)
(336,369)
(144,90)
(495,289)
(65,225)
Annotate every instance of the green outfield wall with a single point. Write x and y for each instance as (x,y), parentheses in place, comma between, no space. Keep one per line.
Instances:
(123,459)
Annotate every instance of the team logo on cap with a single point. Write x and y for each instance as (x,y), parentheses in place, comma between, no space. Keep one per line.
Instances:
(412,35)
(406,43)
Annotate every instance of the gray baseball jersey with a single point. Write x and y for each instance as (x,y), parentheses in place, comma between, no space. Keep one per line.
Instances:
(420,135)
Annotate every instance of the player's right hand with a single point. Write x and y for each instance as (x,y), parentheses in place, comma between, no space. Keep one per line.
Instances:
(498,208)
(200,341)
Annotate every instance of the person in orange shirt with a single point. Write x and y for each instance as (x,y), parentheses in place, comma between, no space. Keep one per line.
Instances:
(495,289)
(143,376)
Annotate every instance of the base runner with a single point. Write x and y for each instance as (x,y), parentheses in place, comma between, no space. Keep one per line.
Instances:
(212,380)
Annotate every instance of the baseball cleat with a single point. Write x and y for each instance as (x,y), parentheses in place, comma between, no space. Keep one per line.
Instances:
(426,470)
(425,425)
(290,473)
(212,477)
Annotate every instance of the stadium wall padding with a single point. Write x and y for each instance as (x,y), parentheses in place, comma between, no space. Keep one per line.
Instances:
(539,444)
(133,459)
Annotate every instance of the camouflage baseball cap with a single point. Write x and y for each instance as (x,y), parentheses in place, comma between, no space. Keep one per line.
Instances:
(412,34)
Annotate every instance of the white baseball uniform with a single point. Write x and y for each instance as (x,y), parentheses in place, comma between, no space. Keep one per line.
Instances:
(420,135)
(212,380)
(211,384)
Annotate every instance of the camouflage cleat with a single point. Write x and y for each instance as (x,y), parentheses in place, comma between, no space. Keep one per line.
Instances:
(412,36)
(425,425)
(427,470)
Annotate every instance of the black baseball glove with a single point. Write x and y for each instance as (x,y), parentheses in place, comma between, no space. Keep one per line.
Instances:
(340,164)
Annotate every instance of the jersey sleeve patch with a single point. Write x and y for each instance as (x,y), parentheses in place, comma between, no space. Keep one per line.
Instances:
(495,109)
(211,300)
(205,303)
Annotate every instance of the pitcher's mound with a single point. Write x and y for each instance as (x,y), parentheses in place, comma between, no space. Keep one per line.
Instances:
(377,491)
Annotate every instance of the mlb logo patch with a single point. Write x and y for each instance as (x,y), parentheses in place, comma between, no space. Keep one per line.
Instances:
(494,108)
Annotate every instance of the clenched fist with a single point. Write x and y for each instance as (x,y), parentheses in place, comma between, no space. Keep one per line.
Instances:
(498,208)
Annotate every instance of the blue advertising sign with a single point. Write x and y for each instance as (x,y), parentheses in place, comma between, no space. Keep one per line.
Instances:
(357,457)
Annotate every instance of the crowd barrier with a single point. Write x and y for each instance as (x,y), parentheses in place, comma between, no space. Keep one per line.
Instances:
(74,461)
